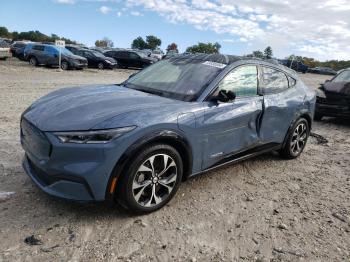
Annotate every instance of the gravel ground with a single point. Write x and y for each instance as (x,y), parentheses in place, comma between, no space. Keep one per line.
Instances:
(263,209)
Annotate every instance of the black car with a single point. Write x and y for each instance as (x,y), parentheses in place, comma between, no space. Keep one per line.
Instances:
(40,54)
(297,66)
(127,58)
(322,71)
(96,59)
(333,97)
(17,49)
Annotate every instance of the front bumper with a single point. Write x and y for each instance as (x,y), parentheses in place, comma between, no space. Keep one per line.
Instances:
(58,186)
(325,109)
(79,172)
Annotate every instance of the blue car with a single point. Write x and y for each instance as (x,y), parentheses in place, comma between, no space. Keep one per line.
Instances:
(135,142)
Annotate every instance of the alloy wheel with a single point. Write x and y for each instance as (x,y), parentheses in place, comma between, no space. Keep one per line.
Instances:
(299,138)
(154,180)
(100,66)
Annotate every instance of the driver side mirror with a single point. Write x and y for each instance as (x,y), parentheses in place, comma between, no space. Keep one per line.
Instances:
(224,96)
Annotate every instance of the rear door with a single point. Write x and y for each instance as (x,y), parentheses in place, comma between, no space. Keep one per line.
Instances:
(38,51)
(51,55)
(281,103)
(231,127)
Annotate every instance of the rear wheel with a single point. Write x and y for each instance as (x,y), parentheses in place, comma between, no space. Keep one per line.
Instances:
(152,179)
(33,61)
(296,139)
(64,65)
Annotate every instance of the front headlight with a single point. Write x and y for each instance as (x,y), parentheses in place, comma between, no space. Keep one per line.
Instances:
(92,137)
(108,62)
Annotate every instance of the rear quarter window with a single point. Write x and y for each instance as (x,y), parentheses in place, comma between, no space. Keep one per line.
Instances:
(272,81)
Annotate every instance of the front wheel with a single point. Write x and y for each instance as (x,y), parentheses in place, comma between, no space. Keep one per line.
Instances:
(151,180)
(296,139)
(100,65)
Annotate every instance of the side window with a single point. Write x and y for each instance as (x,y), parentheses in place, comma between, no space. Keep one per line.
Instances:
(242,80)
(133,56)
(272,81)
(292,81)
(38,47)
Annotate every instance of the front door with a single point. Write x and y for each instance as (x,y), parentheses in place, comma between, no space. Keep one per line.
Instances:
(229,128)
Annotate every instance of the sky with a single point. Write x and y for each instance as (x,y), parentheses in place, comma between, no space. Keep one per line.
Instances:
(313,28)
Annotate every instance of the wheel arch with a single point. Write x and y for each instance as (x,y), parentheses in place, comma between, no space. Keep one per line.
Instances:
(298,116)
(169,137)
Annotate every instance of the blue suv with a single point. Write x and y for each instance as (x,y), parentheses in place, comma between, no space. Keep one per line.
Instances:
(135,142)
(44,54)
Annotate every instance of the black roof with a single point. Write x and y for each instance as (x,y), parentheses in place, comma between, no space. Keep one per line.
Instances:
(218,58)
(227,59)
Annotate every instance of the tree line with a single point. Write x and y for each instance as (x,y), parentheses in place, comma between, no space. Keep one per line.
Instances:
(35,36)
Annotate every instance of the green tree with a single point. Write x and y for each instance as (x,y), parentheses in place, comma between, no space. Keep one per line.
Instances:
(206,48)
(4,32)
(258,54)
(172,47)
(139,43)
(105,42)
(268,52)
(153,42)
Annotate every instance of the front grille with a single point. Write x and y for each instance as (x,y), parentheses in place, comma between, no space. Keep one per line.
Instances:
(34,140)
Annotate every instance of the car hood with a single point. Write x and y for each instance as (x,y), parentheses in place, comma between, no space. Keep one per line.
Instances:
(340,87)
(82,108)
(76,57)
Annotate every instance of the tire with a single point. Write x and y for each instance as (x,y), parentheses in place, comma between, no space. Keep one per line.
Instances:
(64,65)
(318,117)
(143,185)
(100,65)
(296,139)
(33,61)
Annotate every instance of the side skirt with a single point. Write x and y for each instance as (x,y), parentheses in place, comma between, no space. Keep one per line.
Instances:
(238,157)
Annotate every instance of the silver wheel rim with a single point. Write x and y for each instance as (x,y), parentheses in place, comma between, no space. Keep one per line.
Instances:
(32,61)
(298,139)
(100,66)
(154,180)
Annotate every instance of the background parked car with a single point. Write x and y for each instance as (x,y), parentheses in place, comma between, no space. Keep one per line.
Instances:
(158,54)
(74,48)
(323,71)
(171,53)
(333,97)
(17,49)
(297,66)
(128,58)
(4,50)
(40,54)
(96,59)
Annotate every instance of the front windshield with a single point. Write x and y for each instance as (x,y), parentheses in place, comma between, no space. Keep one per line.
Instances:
(342,77)
(97,54)
(65,51)
(178,78)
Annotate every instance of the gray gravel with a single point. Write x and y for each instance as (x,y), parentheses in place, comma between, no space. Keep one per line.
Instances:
(263,209)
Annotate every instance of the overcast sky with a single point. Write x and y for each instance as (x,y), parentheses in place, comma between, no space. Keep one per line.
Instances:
(314,28)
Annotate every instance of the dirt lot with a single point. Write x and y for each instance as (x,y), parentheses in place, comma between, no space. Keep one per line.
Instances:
(264,209)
